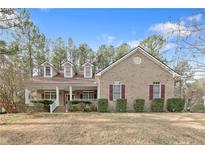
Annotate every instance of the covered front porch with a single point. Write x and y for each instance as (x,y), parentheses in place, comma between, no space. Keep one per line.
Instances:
(61,93)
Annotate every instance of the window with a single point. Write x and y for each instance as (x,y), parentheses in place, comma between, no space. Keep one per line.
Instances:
(156,90)
(68,71)
(87,71)
(48,71)
(49,95)
(67,97)
(88,95)
(116,90)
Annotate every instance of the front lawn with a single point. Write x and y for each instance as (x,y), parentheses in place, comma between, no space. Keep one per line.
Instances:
(103,128)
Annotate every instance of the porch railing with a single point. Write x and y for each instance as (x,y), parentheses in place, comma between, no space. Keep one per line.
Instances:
(53,106)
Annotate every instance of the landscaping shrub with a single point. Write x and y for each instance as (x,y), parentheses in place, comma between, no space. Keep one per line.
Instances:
(157,105)
(45,102)
(139,105)
(79,102)
(75,107)
(121,105)
(87,108)
(86,102)
(197,107)
(102,105)
(175,104)
(78,105)
(93,107)
(82,106)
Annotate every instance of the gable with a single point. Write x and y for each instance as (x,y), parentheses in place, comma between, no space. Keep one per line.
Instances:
(87,64)
(143,52)
(67,63)
(46,63)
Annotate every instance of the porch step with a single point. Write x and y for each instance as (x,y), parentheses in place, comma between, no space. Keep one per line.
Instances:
(60,109)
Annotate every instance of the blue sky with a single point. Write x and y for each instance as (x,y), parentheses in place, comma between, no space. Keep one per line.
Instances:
(108,26)
(112,26)
(115,26)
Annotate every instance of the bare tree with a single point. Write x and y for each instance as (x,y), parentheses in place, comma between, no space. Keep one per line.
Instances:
(11,85)
(190,40)
(194,92)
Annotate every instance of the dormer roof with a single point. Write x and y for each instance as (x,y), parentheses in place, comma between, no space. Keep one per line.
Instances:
(48,63)
(87,63)
(67,62)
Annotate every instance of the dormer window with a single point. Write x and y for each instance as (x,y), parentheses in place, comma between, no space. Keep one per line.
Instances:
(67,71)
(88,71)
(48,71)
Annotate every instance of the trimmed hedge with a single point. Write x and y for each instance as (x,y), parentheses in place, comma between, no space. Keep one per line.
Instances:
(139,105)
(175,104)
(197,107)
(102,105)
(157,105)
(83,107)
(75,107)
(45,102)
(121,105)
(79,102)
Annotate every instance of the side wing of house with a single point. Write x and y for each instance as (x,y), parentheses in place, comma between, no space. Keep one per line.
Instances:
(136,76)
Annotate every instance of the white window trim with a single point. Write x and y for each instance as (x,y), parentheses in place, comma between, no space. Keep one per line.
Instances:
(160,89)
(51,69)
(89,94)
(50,94)
(71,72)
(113,89)
(91,72)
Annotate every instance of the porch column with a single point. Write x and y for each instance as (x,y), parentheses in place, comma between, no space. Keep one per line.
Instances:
(57,96)
(71,92)
(27,92)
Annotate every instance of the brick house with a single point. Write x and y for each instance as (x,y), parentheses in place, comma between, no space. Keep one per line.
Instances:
(136,75)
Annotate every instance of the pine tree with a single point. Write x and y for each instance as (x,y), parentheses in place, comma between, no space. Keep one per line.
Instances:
(59,53)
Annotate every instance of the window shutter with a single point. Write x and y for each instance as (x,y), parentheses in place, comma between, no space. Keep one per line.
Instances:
(163,91)
(150,92)
(111,92)
(123,91)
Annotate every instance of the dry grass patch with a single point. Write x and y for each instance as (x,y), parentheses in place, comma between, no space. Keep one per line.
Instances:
(103,128)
